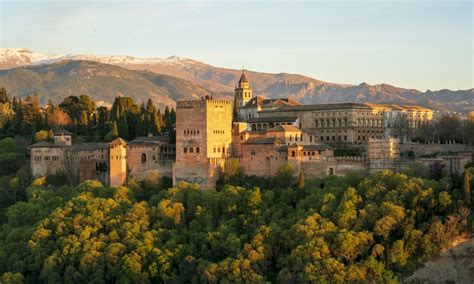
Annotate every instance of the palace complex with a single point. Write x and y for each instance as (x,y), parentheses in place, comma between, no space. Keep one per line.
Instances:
(261,134)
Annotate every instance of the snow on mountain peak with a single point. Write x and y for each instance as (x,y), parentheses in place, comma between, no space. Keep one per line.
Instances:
(23,56)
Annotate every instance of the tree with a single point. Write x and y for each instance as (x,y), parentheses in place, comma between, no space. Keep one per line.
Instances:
(58,119)
(123,126)
(42,135)
(285,176)
(400,128)
(301,180)
(3,96)
(448,127)
(113,134)
(467,188)
(154,124)
(84,122)
(150,107)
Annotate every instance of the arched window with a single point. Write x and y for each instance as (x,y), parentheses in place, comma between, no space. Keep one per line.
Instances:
(293,154)
(143,158)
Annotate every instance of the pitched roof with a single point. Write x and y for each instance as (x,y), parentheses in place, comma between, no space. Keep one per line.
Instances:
(254,102)
(284,128)
(266,140)
(268,103)
(118,141)
(89,146)
(150,139)
(62,132)
(339,106)
(263,102)
(42,144)
(243,78)
(273,119)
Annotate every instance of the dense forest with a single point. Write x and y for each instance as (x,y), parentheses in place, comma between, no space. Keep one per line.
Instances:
(284,229)
(82,117)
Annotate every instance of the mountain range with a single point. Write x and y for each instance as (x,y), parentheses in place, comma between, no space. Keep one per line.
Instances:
(55,76)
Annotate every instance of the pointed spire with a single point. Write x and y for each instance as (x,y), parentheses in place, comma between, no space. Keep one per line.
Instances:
(243,78)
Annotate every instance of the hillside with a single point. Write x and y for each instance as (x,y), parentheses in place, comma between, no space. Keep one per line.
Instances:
(101,81)
(222,81)
(453,266)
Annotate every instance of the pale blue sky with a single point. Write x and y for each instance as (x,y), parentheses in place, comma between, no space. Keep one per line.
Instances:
(423,44)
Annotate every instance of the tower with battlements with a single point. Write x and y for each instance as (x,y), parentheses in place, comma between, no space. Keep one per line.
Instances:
(203,140)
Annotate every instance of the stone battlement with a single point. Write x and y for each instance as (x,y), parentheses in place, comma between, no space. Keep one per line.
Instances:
(200,103)
(347,159)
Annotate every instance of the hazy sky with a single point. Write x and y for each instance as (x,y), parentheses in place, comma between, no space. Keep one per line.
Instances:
(423,44)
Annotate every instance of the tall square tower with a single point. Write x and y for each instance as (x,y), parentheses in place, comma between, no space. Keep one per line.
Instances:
(203,140)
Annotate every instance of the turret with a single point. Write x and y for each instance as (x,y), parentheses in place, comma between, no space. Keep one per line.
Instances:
(243,91)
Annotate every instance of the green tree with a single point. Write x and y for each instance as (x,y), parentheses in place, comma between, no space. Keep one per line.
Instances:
(301,180)
(113,134)
(4,96)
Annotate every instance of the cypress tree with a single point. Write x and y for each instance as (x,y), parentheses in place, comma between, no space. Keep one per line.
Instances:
(467,188)
(150,107)
(3,96)
(123,126)
(154,124)
(45,122)
(301,180)
(84,122)
(113,134)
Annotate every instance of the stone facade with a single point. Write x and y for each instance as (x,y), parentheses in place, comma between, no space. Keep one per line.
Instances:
(203,140)
(262,134)
(111,163)
(350,123)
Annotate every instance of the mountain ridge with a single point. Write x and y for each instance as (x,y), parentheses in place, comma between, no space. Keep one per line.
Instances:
(221,81)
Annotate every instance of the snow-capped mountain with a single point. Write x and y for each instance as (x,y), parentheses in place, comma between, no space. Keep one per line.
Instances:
(14,57)
(22,56)
(220,80)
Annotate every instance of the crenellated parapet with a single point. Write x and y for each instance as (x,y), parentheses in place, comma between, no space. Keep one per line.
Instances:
(347,159)
(201,103)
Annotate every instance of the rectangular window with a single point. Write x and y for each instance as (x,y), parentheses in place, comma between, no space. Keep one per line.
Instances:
(191,150)
(252,152)
(185,150)
(197,149)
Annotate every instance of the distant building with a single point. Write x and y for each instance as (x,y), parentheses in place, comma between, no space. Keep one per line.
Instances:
(111,163)
(262,134)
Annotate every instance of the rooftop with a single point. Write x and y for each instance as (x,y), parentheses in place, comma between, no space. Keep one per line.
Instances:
(267,140)
(339,106)
(44,144)
(273,119)
(150,139)
(284,128)
(62,132)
